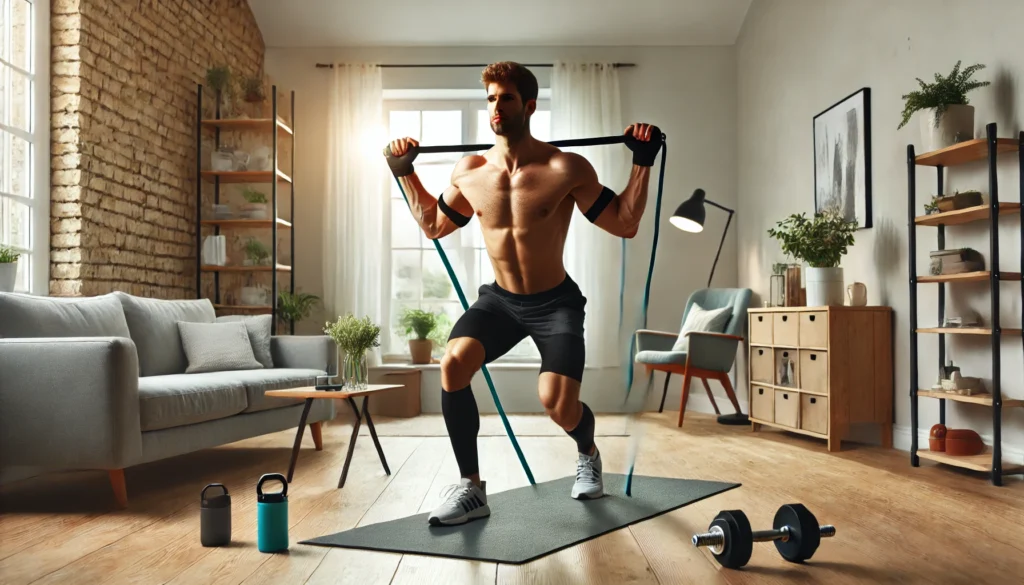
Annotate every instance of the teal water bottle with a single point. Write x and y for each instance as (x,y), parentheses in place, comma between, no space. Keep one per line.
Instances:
(272,515)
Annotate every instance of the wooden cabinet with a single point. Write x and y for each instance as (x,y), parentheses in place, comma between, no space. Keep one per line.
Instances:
(820,370)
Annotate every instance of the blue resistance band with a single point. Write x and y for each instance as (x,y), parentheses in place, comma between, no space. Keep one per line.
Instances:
(619,139)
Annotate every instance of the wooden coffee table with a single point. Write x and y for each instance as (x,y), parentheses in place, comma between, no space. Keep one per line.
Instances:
(310,394)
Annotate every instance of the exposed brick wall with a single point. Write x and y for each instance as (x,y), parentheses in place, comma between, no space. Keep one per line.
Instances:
(123,96)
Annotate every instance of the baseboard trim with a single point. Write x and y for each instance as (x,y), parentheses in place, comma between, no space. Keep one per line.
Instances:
(901,440)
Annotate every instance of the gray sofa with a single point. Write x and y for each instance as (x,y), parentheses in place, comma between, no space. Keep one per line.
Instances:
(107,382)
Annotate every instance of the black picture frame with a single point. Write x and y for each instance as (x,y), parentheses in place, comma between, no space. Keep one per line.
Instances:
(838,177)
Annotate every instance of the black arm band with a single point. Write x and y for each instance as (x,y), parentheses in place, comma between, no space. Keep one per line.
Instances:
(603,200)
(456,217)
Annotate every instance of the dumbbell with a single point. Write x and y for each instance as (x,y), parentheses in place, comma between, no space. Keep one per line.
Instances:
(795,532)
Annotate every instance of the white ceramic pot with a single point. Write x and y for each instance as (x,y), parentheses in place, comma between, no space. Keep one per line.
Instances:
(8,275)
(252,295)
(824,286)
(953,126)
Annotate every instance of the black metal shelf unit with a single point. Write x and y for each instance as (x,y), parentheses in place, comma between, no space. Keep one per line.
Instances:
(974,150)
(275,177)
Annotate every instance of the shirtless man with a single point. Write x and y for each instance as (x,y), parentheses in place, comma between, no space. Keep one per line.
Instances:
(523,191)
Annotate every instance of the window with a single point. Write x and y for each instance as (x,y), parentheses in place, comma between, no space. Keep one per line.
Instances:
(418,278)
(24,132)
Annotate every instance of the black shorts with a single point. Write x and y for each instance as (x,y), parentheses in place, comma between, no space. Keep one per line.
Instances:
(500,319)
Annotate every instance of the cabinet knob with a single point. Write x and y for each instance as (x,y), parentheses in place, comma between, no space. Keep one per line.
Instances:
(785,354)
(760,318)
(814,400)
(785,317)
(812,317)
(760,391)
(760,352)
(785,396)
(814,356)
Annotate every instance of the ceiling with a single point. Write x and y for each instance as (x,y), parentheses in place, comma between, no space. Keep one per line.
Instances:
(347,23)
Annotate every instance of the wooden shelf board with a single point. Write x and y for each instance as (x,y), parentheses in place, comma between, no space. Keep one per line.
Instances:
(979,276)
(965,215)
(966,330)
(963,152)
(785,428)
(247,223)
(245,308)
(246,176)
(248,124)
(822,308)
(984,399)
(982,462)
(787,388)
(280,268)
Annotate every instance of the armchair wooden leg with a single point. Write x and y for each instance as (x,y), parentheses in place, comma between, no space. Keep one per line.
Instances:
(665,392)
(318,439)
(724,379)
(710,395)
(119,487)
(685,396)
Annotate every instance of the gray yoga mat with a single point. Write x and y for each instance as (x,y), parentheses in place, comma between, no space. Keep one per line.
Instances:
(529,522)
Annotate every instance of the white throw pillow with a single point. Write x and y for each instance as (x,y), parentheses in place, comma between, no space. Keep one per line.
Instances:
(217,347)
(700,319)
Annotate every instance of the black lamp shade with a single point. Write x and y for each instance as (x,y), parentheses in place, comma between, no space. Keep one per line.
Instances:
(689,216)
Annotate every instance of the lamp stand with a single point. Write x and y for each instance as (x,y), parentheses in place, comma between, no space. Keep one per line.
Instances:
(722,242)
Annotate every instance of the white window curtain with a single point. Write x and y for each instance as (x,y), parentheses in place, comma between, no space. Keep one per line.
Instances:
(357,193)
(585,103)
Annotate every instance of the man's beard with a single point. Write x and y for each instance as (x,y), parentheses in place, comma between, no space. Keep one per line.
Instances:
(510,127)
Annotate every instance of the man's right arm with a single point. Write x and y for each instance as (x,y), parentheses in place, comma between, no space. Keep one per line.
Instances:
(439,216)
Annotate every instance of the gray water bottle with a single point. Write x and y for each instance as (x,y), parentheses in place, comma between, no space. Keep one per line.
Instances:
(215,517)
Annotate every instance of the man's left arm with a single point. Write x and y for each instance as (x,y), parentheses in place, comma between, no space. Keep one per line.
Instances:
(619,213)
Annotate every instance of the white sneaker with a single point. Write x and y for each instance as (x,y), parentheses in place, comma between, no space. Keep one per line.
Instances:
(588,484)
(464,502)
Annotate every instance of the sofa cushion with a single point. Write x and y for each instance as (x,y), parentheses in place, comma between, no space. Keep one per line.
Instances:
(35,316)
(154,329)
(258,327)
(184,399)
(216,347)
(257,382)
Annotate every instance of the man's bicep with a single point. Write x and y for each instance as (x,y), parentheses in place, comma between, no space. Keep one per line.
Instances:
(456,211)
(593,198)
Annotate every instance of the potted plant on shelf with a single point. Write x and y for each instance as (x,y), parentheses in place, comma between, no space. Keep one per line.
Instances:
(295,307)
(256,203)
(947,117)
(218,79)
(820,242)
(354,337)
(256,253)
(424,325)
(252,90)
(8,268)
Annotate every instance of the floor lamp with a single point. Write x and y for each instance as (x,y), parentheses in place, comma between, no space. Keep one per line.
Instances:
(689,217)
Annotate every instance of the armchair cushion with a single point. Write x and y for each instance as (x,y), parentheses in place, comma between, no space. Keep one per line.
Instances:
(702,320)
(661,357)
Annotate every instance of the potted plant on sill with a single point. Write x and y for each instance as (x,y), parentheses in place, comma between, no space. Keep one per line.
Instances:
(426,326)
(295,307)
(256,203)
(820,242)
(354,337)
(8,268)
(947,117)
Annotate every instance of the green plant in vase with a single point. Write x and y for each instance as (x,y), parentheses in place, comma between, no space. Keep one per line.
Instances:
(354,337)
(821,242)
(295,307)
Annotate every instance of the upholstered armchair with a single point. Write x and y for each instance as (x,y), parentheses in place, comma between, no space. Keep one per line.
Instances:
(713,325)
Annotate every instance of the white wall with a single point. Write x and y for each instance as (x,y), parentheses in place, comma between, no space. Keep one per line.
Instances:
(797,57)
(689,92)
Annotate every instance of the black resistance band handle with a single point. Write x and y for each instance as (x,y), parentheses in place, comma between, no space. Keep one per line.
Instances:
(617,139)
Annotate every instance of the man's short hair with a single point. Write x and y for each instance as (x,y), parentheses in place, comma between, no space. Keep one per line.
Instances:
(514,73)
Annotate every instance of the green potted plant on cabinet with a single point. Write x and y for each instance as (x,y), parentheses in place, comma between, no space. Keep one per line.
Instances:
(947,117)
(8,268)
(820,242)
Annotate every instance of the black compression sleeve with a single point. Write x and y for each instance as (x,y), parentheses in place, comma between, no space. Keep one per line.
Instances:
(603,200)
(456,217)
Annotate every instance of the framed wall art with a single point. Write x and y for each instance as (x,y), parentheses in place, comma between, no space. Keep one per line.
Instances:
(842,157)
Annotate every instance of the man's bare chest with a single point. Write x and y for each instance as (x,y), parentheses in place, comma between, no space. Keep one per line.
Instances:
(528,194)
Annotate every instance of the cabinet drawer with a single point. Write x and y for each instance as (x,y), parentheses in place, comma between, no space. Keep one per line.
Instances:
(787,368)
(814,370)
(814,329)
(814,413)
(785,329)
(761,328)
(762,403)
(762,365)
(787,408)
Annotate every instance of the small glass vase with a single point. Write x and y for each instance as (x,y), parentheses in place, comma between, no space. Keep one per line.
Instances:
(355,372)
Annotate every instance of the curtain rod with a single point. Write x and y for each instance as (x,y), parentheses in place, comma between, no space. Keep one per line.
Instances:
(479,65)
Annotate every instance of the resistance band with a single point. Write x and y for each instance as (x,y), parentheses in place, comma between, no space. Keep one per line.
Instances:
(618,139)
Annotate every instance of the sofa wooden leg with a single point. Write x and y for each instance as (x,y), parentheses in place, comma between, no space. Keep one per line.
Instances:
(318,438)
(118,485)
